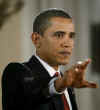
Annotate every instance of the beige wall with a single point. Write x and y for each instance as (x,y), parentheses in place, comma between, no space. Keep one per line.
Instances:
(10,43)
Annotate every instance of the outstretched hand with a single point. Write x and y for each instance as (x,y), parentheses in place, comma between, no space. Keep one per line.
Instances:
(75,76)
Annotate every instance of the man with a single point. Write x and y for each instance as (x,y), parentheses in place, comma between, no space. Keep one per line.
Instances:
(34,85)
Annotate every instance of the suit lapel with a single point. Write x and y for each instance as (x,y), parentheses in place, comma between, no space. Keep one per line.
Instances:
(72,98)
(38,70)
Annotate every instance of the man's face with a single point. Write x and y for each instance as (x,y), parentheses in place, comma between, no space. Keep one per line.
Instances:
(55,46)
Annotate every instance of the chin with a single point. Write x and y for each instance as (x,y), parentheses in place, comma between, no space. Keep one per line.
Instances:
(64,62)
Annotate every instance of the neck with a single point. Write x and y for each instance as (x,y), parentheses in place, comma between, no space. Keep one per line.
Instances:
(56,67)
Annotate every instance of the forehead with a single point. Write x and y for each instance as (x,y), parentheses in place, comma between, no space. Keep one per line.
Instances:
(63,24)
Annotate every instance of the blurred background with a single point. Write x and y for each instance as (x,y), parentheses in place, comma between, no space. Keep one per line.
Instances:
(16,19)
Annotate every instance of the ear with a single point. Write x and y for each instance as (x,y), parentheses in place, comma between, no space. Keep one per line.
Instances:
(36,39)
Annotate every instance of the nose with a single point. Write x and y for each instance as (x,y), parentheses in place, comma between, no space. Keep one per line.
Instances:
(68,42)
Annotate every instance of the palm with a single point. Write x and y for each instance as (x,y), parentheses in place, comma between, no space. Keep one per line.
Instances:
(75,76)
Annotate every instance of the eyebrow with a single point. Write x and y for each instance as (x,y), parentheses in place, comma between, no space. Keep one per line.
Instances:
(62,32)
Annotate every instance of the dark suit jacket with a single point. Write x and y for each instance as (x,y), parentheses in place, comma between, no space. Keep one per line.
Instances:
(25,87)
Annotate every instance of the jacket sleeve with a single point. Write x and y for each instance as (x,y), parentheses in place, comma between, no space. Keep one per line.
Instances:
(9,87)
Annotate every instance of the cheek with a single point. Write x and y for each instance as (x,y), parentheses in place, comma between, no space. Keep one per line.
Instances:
(47,48)
(51,51)
(50,46)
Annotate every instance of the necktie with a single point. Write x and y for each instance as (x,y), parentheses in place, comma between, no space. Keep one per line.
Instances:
(66,106)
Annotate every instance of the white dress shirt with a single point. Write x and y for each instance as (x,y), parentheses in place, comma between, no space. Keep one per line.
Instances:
(52,72)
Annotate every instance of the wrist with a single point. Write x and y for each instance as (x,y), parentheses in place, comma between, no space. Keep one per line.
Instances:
(59,85)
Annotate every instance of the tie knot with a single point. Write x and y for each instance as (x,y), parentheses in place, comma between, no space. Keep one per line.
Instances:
(57,74)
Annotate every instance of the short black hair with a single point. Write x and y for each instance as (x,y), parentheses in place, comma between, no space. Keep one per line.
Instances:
(42,21)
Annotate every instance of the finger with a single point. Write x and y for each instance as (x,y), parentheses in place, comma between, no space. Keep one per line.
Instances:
(83,65)
(90,84)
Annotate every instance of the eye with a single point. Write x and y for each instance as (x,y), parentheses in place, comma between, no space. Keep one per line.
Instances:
(72,35)
(59,34)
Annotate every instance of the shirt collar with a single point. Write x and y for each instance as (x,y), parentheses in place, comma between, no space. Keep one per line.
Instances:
(50,70)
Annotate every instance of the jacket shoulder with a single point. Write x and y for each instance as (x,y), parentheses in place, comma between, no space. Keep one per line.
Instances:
(13,69)
(14,66)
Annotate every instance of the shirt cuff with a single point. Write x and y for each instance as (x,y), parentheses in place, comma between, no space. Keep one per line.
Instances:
(52,89)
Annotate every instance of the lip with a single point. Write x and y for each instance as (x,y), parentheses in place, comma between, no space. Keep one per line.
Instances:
(65,53)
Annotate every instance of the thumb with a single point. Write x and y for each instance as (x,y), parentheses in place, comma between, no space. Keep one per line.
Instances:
(90,84)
